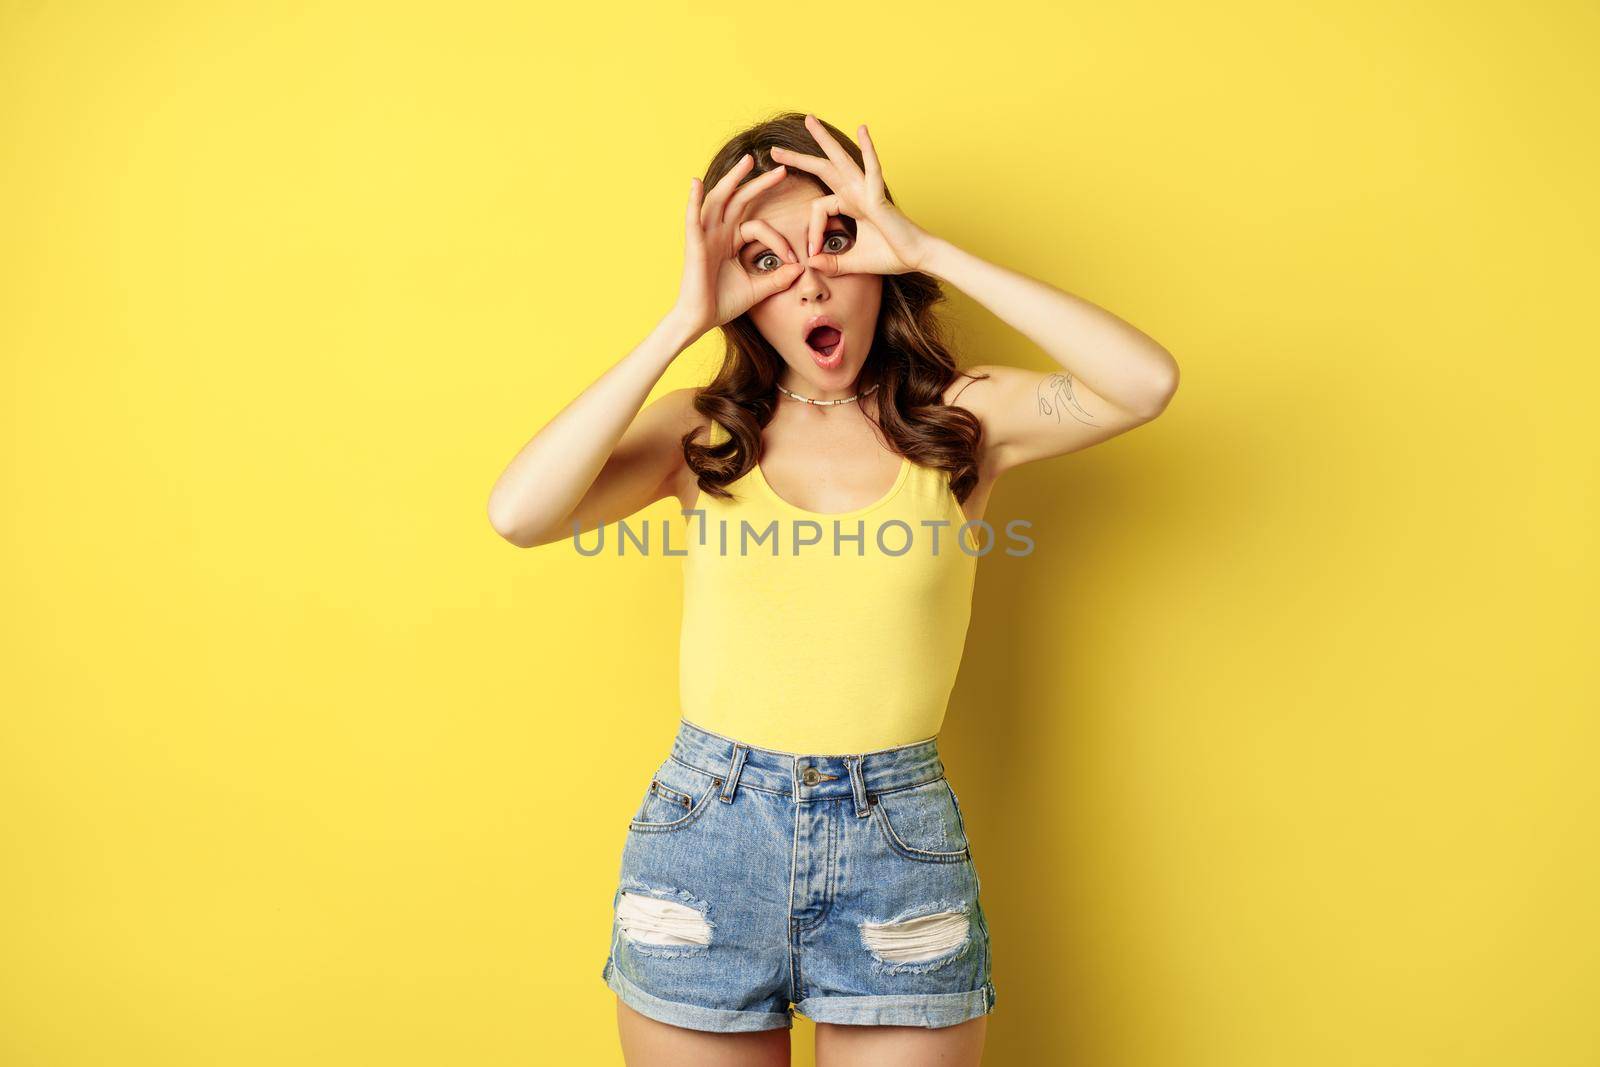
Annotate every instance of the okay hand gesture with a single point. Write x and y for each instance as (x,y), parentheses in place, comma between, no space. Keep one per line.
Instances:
(715,288)
(886,241)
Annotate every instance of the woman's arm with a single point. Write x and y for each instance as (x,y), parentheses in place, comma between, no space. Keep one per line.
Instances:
(1112,376)
(600,459)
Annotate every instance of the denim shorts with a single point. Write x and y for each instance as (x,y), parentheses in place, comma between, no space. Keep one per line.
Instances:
(756,883)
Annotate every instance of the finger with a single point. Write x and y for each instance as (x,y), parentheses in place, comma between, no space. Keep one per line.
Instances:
(870,155)
(757,230)
(693,235)
(825,263)
(749,191)
(821,208)
(779,280)
(817,165)
(839,157)
(712,208)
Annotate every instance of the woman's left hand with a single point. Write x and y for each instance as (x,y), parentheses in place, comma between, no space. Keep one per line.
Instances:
(886,242)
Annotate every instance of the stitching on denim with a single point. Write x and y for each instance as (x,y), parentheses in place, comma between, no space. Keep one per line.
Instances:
(922,855)
(745,783)
(678,824)
(666,792)
(836,838)
(786,752)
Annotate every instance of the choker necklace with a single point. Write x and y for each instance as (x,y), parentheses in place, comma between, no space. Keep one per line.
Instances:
(826,403)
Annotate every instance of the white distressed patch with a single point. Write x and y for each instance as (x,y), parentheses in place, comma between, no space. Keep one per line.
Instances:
(654,921)
(921,938)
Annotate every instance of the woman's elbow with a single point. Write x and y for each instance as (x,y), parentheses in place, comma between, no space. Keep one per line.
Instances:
(1161,393)
(506,525)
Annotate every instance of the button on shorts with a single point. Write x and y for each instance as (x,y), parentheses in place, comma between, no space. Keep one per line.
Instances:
(756,883)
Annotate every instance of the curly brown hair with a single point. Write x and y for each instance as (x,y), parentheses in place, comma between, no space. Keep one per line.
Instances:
(909,357)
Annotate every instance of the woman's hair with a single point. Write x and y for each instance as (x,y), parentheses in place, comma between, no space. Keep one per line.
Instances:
(908,359)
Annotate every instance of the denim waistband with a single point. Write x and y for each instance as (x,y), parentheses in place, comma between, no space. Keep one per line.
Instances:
(806,777)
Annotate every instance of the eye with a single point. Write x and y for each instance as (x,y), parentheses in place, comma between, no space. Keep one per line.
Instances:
(778,262)
(830,237)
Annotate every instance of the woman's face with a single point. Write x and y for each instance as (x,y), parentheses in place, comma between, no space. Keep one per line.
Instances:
(849,302)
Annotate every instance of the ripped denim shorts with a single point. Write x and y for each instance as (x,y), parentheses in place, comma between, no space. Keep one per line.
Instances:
(756,883)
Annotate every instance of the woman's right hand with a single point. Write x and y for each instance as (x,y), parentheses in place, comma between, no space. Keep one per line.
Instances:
(716,287)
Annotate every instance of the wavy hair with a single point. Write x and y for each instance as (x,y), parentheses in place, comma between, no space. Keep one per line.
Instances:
(909,359)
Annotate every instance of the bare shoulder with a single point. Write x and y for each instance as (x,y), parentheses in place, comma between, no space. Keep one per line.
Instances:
(679,413)
(679,404)
(973,390)
(1029,415)
(971,387)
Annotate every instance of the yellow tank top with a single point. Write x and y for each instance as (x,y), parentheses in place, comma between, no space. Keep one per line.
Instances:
(791,645)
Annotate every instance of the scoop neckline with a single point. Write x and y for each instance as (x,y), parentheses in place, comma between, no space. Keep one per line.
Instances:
(889,494)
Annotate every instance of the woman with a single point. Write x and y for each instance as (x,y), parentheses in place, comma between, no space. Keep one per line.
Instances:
(800,848)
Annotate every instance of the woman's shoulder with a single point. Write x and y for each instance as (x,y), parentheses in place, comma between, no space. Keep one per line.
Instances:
(678,410)
(690,417)
(958,386)
(678,405)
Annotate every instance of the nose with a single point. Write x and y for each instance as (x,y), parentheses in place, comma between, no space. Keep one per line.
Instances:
(813,285)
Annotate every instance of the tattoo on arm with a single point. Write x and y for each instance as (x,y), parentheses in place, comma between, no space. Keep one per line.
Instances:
(1055,393)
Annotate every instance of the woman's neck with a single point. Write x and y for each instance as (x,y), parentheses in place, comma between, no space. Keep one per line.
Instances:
(811,392)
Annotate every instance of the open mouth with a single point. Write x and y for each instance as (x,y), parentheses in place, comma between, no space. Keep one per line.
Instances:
(824,340)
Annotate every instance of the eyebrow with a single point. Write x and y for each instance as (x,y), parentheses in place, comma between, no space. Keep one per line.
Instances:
(756,241)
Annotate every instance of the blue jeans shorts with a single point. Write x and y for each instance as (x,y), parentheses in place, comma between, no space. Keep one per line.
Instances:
(756,883)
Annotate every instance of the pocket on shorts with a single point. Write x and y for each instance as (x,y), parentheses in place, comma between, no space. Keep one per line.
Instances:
(676,796)
(922,822)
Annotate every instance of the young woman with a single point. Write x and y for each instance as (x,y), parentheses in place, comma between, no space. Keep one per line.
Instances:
(800,848)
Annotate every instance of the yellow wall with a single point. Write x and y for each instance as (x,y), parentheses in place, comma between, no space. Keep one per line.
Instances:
(1277,751)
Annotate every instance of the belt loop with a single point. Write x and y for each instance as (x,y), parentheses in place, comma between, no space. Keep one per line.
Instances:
(734,767)
(858,785)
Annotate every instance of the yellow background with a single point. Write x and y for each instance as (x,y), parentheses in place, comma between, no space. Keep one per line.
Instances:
(1278,750)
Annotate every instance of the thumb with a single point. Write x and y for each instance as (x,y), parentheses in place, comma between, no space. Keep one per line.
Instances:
(778,280)
(826,262)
